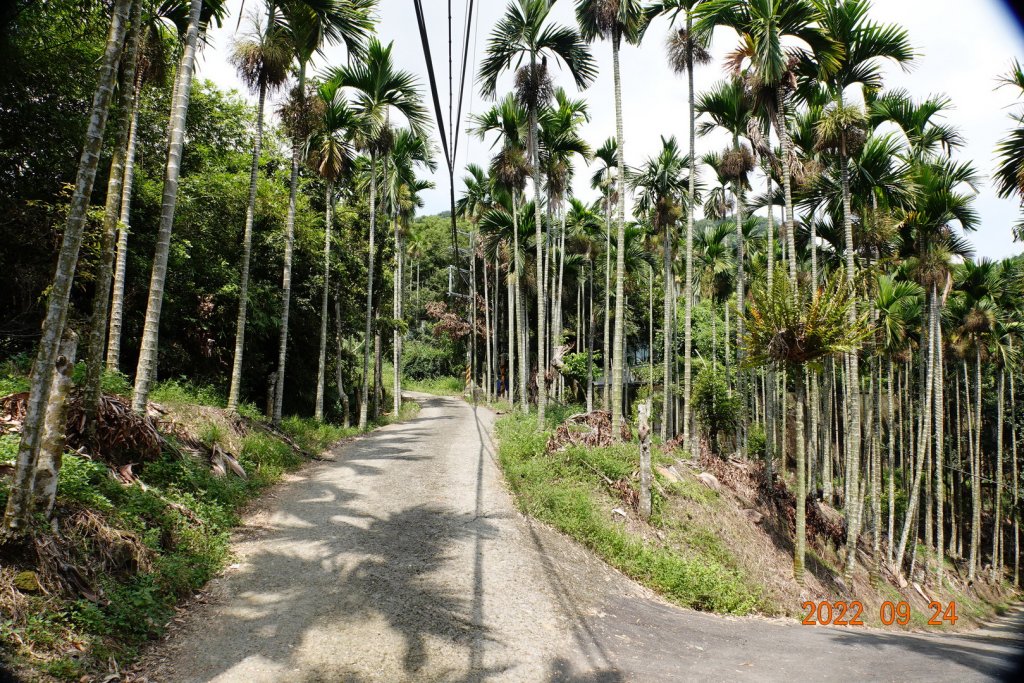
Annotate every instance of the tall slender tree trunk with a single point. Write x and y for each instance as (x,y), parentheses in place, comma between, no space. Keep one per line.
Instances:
(997,521)
(666,333)
(510,364)
(146,370)
(371,262)
(17,511)
(976,474)
(922,447)
(852,385)
(688,275)
(488,380)
(321,374)
(123,229)
(787,184)
(892,458)
(539,225)
(522,320)
(940,446)
(741,259)
(243,288)
(289,248)
(396,334)
(590,340)
(111,214)
(607,348)
(339,373)
(47,470)
(620,254)
(800,542)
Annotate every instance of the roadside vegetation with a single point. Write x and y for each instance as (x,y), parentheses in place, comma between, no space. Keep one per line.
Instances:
(132,542)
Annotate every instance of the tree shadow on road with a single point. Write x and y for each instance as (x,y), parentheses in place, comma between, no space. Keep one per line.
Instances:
(318,563)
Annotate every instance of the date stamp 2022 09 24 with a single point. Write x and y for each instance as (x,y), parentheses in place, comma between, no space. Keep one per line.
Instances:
(842,613)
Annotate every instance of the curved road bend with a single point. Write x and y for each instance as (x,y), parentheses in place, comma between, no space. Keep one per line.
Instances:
(404,559)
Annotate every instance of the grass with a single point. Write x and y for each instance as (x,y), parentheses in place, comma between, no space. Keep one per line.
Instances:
(180,521)
(566,490)
(439,386)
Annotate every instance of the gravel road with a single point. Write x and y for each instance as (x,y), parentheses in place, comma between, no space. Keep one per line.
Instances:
(404,559)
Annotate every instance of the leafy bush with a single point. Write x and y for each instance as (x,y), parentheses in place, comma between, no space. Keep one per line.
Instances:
(718,411)
(175,391)
(757,441)
(423,360)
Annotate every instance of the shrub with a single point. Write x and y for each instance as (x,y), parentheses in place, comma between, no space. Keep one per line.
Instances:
(422,360)
(718,411)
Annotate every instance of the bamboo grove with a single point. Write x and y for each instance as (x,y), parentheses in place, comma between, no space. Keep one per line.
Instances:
(806,296)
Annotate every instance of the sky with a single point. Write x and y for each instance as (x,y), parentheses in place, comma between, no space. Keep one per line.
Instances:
(960,54)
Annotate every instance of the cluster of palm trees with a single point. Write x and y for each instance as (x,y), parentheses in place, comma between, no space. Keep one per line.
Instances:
(879,362)
(343,127)
(865,359)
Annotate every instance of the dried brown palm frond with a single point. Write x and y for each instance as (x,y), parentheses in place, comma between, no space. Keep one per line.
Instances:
(682,46)
(736,164)
(122,435)
(533,86)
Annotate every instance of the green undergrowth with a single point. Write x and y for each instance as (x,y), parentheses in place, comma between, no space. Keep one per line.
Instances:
(439,386)
(568,490)
(144,547)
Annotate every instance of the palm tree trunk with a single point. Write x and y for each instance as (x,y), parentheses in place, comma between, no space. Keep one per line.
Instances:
(488,380)
(111,214)
(800,542)
(666,333)
(321,375)
(47,469)
(523,325)
(976,474)
(940,446)
(339,374)
(620,254)
(510,363)
(997,522)
(145,372)
(371,261)
(243,288)
(396,334)
(740,307)
(289,248)
(787,186)
(590,340)
(892,456)
(688,275)
(853,387)
(121,263)
(922,446)
(539,225)
(18,501)
(1016,481)
(606,348)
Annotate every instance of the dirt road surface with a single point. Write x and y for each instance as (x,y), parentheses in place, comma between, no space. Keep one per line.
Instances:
(404,559)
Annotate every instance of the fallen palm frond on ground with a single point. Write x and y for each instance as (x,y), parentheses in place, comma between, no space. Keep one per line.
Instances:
(587,429)
(122,436)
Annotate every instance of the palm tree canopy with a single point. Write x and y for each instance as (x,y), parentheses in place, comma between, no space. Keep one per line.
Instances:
(775,36)
(315,24)
(865,45)
(379,89)
(612,20)
(524,34)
